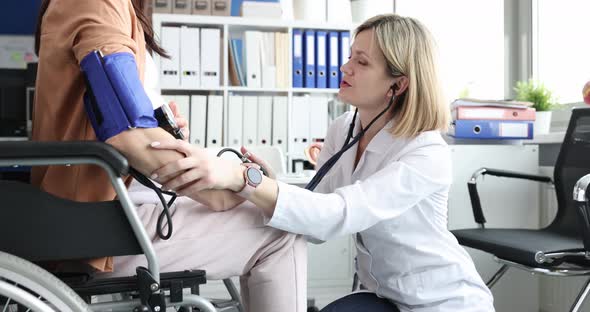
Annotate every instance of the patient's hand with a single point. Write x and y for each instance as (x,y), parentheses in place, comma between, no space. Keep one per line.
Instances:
(200,173)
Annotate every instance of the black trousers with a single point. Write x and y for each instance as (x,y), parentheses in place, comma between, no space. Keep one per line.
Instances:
(361,302)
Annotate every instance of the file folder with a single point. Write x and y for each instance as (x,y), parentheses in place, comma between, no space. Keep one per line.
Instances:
(250,120)
(234,120)
(210,57)
(279,122)
(299,126)
(198,120)
(491,129)
(264,120)
(318,118)
(493,113)
(333,63)
(162,6)
(297,58)
(214,121)
(321,62)
(190,75)
(309,59)
(201,7)
(253,60)
(170,68)
(344,50)
(181,7)
(220,7)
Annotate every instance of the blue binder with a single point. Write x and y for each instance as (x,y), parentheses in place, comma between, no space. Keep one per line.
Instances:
(344,46)
(321,53)
(297,58)
(492,129)
(333,63)
(309,59)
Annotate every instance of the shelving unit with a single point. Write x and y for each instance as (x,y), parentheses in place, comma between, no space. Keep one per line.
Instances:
(330,264)
(230,26)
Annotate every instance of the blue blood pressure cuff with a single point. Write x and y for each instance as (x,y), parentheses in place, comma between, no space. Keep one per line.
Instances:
(115,99)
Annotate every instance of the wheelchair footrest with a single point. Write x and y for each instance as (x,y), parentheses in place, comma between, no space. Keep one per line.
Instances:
(88,286)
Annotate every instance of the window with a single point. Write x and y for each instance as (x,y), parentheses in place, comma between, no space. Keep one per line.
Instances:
(561,48)
(470,39)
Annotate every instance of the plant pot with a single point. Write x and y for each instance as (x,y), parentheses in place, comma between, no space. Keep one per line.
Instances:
(542,123)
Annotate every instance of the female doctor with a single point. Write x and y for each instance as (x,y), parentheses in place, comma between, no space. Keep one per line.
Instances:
(390,189)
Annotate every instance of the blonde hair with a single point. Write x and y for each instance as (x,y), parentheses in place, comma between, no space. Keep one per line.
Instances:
(409,51)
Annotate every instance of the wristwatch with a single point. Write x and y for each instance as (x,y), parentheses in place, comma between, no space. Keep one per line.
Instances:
(253,178)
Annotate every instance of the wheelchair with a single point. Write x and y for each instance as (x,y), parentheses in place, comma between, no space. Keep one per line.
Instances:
(28,235)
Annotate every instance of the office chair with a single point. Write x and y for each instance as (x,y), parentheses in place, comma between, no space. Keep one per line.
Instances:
(37,227)
(563,247)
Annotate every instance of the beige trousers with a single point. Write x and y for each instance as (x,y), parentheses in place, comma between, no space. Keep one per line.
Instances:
(272,264)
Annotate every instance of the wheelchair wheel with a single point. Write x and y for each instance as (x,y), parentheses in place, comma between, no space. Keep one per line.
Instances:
(24,284)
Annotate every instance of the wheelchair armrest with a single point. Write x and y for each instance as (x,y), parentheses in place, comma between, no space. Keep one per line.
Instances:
(16,153)
(580,194)
(474,195)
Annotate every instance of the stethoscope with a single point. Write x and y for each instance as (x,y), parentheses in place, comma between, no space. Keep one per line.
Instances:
(347,144)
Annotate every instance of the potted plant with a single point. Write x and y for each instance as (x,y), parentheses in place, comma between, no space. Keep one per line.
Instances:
(543,102)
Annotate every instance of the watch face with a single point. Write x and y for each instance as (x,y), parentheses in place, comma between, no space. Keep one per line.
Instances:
(254,175)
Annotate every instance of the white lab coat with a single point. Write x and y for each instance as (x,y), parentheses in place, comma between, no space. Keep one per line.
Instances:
(396,203)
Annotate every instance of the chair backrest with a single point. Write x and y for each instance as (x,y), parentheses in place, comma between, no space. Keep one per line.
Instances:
(572,163)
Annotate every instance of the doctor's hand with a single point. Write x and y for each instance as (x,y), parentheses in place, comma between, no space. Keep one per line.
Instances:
(197,171)
(181,121)
(257,161)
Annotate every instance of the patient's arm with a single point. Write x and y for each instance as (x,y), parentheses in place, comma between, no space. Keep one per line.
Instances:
(134,145)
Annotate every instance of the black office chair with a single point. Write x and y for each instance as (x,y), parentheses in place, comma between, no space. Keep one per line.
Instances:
(563,247)
(39,227)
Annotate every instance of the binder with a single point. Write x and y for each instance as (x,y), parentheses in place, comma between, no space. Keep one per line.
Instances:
(234,120)
(299,126)
(279,122)
(249,121)
(181,7)
(201,7)
(297,58)
(333,63)
(220,7)
(162,6)
(183,105)
(309,59)
(344,50)
(318,118)
(214,121)
(491,129)
(237,61)
(268,64)
(198,120)
(493,113)
(253,66)
(320,56)
(210,57)
(170,68)
(190,56)
(264,123)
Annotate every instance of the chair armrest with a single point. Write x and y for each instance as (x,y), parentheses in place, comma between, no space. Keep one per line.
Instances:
(580,194)
(474,195)
(16,153)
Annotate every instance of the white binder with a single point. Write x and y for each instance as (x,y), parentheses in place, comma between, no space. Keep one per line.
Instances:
(214,121)
(183,105)
(299,126)
(234,120)
(250,119)
(318,118)
(210,57)
(253,46)
(189,57)
(279,122)
(198,119)
(264,120)
(170,68)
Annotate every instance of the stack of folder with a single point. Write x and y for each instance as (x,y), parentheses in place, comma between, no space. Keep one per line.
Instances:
(317,57)
(491,120)
(198,7)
